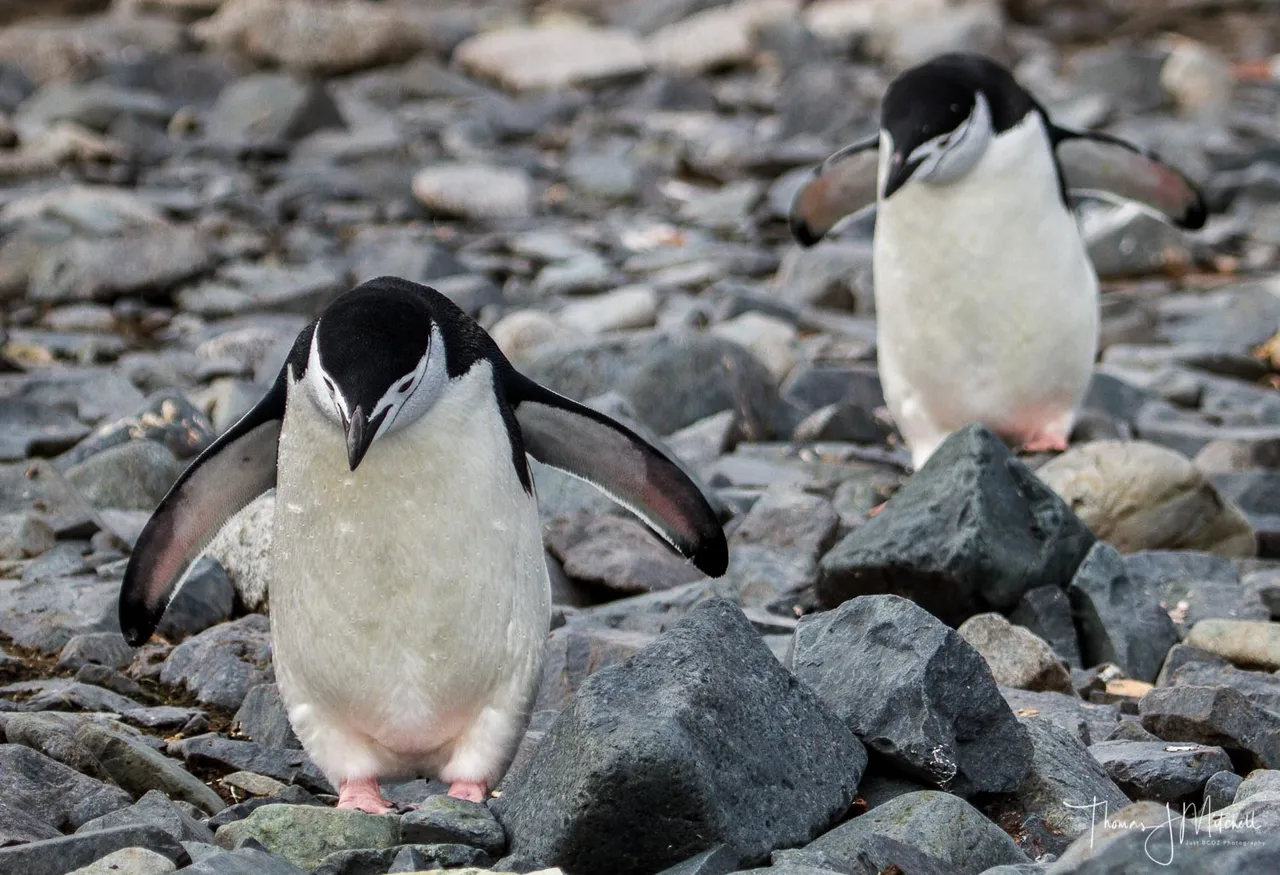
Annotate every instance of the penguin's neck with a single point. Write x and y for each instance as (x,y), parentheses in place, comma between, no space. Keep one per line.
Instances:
(1011,192)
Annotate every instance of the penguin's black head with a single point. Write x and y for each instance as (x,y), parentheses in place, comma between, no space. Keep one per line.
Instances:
(376,362)
(937,119)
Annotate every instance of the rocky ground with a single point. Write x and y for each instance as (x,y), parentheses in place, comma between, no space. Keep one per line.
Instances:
(958,684)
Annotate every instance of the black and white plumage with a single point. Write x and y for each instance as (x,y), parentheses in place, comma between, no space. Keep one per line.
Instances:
(409,592)
(986,301)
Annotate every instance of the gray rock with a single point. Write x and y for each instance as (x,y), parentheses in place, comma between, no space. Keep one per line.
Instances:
(153,809)
(1053,803)
(244,861)
(290,795)
(1016,657)
(220,665)
(305,835)
(242,288)
(24,535)
(660,726)
(271,108)
(814,385)
(575,652)
(656,612)
(37,488)
(915,692)
(107,268)
(1046,612)
(51,793)
(1214,716)
(957,570)
(1160,771)
(940,825)
(108,678)
(1257,782)
(670,379)
(46,614)
(720,860)
(419,858)
(538,58)
(785,532)
(54,736)
(1089,721)
(133,475)
(1220,790)
(836,276)
(68,853)
(128,861)
(263,718)
(204,598)
(32,429)
(1260,688)
(97,648)
(137,768)
(289,766)
(445,820)
(616,553)
(474,191)
(1157,849)
(1118,621)
(61,694)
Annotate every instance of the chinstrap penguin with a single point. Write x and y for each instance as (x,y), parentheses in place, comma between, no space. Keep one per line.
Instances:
(410,600)
(986,301)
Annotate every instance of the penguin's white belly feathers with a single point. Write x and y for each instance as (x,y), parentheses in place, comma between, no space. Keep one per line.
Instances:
(986,302)
(410,598)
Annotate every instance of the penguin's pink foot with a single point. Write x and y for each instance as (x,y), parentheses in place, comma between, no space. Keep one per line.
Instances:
(1046,443)
(362,794)
(472,791)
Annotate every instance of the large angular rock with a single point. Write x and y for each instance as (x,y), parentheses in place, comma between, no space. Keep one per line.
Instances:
(1137,495)
(445,820)
(50,793)
(1051,805)
(54,736)
(915,692)
(153,809)
(1119,622)
(264,719)
(1161,771)
(774,550)
(971,531)
(306,834)
(616,553)
(1017,658)
(1214,716)
(1046,612)
(137,768)
(700,738)
(220,665)
(940,825)
(1260,688)
(575,652)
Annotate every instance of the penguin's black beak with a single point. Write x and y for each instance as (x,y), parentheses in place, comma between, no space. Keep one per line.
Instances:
(359,436)
(900,170)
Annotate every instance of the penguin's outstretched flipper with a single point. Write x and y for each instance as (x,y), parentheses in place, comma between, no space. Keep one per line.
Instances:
(589,445)
(237,468)
(1106,167)
(843,185)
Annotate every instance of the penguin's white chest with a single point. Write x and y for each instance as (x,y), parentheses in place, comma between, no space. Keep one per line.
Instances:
(986,302)
(410,595)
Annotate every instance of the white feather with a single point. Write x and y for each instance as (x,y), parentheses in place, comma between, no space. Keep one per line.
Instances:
(410,599)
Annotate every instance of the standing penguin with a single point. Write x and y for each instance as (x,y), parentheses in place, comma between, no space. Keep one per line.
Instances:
(410,601)
(986,301)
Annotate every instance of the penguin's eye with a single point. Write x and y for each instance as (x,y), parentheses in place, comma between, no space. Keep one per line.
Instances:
(404,387)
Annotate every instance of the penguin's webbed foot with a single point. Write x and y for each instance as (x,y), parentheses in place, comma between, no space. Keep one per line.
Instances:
(363,794)
(1046,443)
(471,791)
